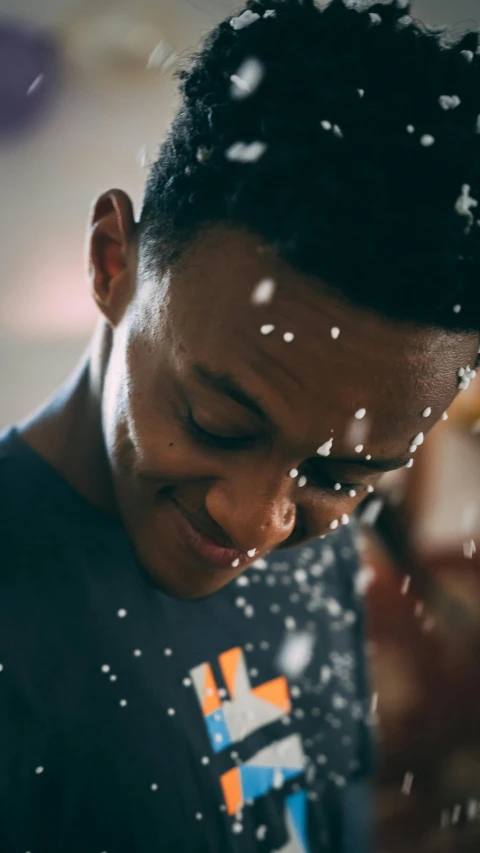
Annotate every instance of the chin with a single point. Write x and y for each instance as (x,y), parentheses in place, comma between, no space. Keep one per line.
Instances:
(187,584)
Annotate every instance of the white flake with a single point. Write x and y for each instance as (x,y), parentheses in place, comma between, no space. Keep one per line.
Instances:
(426,412)
(105,668)
(445,416)
(333,524)
(267,329)
(247,78)
(205,759)
(138,653)
(260,564)
(39,770)
(244,20)
(288,337)
(358,448)
(293,473)
(409,464)
(456,309)
(237,827)
(370,489)
(36,84)
(261,830)
(112,677)
(335,331)
(263,292)
(167,652)
(449,102)
(270,13)
(198,816)
(302,481)
(469,549)
(337,132)
(245,152)
(236,563)
(405,584)
(345,518)
(171,712)
(123,703)
(337,487)
(375,18)
(368,457)
(324,449)
(327,125)
(252,552)
(352,493)
(410,128)
(361,92)
(187,682)
(121,613)
(467,54)
(464,205)
(360,414)
(249,611)
(154,786)
(407,783)
(418,440)
(427,140)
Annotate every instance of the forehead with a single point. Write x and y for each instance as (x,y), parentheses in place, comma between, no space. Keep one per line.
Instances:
(393,370)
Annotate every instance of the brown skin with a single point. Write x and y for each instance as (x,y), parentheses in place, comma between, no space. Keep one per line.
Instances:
(118,431)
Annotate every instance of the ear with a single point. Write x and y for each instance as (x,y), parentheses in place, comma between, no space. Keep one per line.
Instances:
(111,234)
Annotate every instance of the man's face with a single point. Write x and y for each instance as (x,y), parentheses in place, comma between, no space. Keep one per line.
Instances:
(207,419)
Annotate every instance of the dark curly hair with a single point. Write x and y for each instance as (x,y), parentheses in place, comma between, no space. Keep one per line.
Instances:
(370,168)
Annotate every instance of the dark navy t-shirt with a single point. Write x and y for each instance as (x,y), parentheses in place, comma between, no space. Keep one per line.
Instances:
(132,722)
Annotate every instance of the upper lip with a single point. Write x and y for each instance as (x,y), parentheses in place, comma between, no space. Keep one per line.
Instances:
(211,530)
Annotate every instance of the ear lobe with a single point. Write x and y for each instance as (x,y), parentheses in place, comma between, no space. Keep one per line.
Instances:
(112,230)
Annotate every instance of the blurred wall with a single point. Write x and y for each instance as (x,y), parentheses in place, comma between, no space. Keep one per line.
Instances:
(94,139)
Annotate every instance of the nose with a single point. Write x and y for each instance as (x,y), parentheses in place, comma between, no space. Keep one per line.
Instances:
(254,508)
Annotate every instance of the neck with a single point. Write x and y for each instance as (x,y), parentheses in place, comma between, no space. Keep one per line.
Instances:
(67,431)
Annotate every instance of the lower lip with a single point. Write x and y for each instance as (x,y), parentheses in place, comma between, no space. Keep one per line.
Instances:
(206,549)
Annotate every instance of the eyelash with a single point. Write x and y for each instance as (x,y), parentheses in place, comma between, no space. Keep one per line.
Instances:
(209,439)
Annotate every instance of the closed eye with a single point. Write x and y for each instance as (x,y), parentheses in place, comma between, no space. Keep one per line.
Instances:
(215,441)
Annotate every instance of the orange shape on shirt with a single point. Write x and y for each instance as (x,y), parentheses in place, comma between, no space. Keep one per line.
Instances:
(232,790)
(275,692)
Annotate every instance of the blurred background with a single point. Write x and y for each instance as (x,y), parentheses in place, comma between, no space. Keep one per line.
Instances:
(91,98)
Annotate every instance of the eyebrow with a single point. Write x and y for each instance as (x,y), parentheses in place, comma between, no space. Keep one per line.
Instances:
(224,383)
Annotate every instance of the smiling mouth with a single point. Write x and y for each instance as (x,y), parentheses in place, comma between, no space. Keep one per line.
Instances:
(204,547)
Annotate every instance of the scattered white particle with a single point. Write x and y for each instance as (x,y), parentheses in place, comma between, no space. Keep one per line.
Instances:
(368,457)
(36,84)
(352,493)
(337,131)
(427,140)
(260,564)
(237,827)
(261,831)
(325,674)
(374,703)
(138,653)
(469,549)
(410,128)
(244,20)
(198,816)
(445,416)
(360,413)
(464,205)
(105,668)
(171,712)
(167,653)
(345,518)
(247,79)
(251,552)
(428,625)
(337,487)
(363,579)
(457,309)
(236,563)
(419,608)
(327,125)
(187,682)
(409,464)
(263,292)
(467,54)
(249,611)
(302,482)
(240,601)
(449,102)
(324,449)
(112,677)
(460,372)
(270,13)
(267,329)
(288,337)
(372,511)
(290,623)
(426,412)
(375,18)
(205,759)
(300,575)
(293,473)
(335,331)
(361,92)
(154,786)
(456,812)
(245,152)
(358,448)
(121,613)
(123,703)
(407,783)
(370,489)
(253,672)
(405,584)
(203,154)
(243,581)
(418,440)
(39,770)
(333,524)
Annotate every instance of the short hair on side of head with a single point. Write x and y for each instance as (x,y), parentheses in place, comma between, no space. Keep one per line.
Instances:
(348,139)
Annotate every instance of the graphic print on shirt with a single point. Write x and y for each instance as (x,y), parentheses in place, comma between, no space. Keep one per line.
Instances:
(230,721)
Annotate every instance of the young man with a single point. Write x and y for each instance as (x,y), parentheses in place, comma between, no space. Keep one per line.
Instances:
(290,315)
